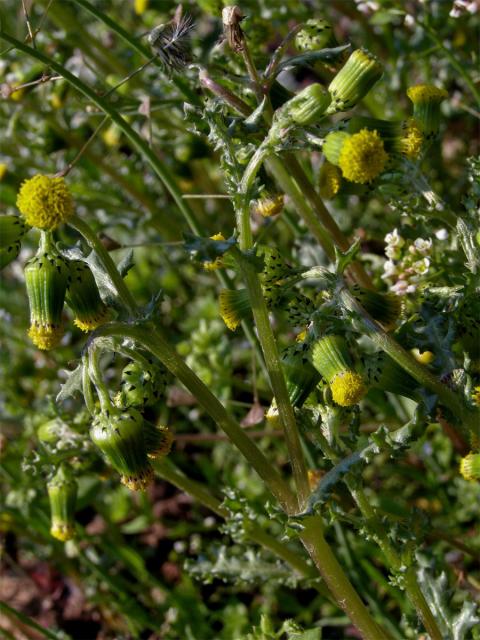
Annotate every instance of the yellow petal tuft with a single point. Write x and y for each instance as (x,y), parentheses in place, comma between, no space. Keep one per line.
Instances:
(347,388)
(45,202)
(45,337)
(362,157)
(426,93)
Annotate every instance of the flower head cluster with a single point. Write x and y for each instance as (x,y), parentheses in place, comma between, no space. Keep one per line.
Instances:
(45,202)
(406,264)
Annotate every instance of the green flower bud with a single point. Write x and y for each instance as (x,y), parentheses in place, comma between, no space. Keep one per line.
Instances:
(331,358)
(385,308)
(234,306)
(300,375)
(158,440)
(8,254)
(332,147)
(46,277)
(384,373)
(470,466)
(354,80)
(315,34)
(306,108)
(83,297)
(62,494)
(120,437)
(426,100)
(12,229)
(138,386)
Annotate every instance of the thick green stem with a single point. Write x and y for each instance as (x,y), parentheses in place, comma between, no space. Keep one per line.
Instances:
(467,420)
(266,336)
(153,341)
(167,470)
(91,237)
(337,581)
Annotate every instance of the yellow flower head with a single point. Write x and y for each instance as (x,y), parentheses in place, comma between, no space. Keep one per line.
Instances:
(422,93)
(140,6)
(470,466)
(138,481)
(62,531)
(362,157)
(45,337)
(269,206)
(45,202)
(213,265)
(347,388)
(424,357)
(476,396)
(234,306)
(411,142)
(94,321)
(330,180)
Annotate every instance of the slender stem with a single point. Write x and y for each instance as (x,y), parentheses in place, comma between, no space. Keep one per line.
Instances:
(467,420)
(91,237)
(152,340)
(337,581)
(417,598)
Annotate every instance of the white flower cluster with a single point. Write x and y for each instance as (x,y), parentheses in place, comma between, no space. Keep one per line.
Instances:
(406,264)
(462,6)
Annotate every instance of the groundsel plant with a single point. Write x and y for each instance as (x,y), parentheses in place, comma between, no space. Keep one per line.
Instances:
(359,359)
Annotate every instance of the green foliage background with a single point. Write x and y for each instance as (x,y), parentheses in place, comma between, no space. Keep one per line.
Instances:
(159,564)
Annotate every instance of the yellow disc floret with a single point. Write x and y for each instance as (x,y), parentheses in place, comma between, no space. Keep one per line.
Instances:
(269,205)
(213,265)
(476,396)
(412,140)
(45,337)
(426,93)
(138,481)
(362,157)
(470,466)
(45,202)
(62,531)
(347,388)
(330,180)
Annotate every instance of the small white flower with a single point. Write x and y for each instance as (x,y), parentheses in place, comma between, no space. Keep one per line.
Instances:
(389,268)
(409,20)
(400,287)
(421,267)
(422,246)
(441,234)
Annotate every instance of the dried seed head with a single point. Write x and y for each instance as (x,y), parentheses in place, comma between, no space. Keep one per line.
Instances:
(171,42)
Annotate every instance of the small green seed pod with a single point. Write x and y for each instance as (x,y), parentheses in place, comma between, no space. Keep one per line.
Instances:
(426,99)
(331,358)
(12,229)
(8,254)
(46,277)
(384,373)
(62,494)
(385,308)
(234,306)
(354,80)
(306,108)
(316,34)
(83,297)
(470,466)
(120,437)
(158,440)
